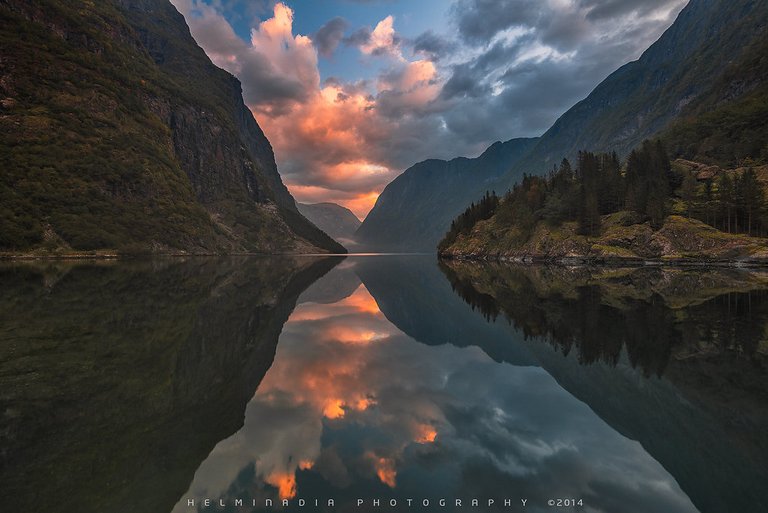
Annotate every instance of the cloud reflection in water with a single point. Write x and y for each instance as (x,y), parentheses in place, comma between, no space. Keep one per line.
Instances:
(352,407)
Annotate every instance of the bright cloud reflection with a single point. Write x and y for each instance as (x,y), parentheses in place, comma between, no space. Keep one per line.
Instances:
(352,404)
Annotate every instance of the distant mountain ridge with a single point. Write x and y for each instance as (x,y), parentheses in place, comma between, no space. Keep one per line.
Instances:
(702,90)
(416,209)
(122,135)
(701,87)
(337,221)
(641,98)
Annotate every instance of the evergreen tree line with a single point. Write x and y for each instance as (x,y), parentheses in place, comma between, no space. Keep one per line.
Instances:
(591,323)
(596,187)
(483,209)
(646,186)
(734,203)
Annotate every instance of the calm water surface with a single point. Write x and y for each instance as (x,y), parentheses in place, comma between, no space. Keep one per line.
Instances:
(149,384)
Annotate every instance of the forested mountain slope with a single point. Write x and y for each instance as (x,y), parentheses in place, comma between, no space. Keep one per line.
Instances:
(118,133)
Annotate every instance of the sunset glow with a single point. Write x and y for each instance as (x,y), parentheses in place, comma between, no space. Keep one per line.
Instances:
(362,301)
(285,484)
(350,96)
(386,470)
(334,409)
(427,434)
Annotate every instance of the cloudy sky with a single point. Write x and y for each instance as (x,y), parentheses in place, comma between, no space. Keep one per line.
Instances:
(352,92)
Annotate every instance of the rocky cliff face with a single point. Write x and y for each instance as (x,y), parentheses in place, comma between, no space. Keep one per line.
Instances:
(640,99)
(416,209)
(125,136)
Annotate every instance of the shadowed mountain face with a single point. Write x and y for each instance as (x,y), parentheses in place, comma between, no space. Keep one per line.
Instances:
(685,72)
(416,209)
(702,87)
(673,359)
(335,220)
(147,144)
(117,379)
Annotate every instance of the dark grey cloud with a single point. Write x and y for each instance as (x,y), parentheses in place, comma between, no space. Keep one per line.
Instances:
(432,45)
(528,62)
(272,89)
(502,69)
(510,69)
(479,20)
(464,83)
(328,37)
(359,37)
(598,9)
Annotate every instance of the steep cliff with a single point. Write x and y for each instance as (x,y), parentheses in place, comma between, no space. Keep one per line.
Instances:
(119,133)
(416,209)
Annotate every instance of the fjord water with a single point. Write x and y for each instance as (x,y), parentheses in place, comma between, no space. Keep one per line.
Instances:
(138,386)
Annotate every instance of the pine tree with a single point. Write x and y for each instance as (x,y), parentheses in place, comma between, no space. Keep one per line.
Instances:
(752,197)
(657,174)
(636,188)
(589,180)
(725,200)
(688,192)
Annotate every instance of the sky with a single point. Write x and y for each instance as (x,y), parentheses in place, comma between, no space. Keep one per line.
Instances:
(352,92)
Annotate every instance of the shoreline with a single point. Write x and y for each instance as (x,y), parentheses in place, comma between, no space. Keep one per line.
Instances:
(615,262)
(564,261)
(139,256)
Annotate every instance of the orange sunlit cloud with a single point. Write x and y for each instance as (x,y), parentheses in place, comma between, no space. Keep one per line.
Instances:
(362,301)
(385,470)
(360,203)
(333,132)
(333,388)
(285,482)
(355,335)
(383,39)
(330,140)
(334,409)
(426,434)
(330,379)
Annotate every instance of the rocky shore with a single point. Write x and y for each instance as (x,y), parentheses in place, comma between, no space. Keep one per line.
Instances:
(680,241)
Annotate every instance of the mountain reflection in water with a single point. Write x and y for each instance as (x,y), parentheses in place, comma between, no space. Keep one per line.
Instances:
(386,384)
(136,386)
